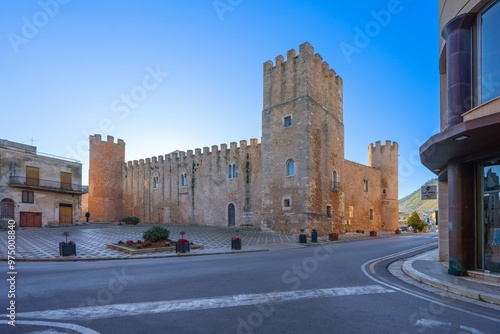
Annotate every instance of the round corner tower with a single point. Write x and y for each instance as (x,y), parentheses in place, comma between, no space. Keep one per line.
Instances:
(385,159)
(106,179)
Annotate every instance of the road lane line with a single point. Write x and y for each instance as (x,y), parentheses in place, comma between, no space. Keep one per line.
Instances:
(371,264)
(145,308)
(73,327)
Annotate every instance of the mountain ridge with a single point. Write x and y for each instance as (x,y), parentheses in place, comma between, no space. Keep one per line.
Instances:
(413,202)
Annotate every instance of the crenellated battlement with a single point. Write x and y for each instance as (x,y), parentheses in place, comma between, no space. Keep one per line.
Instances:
(225,151)
(97,139)
(391,146)
(302,75)
(383,156)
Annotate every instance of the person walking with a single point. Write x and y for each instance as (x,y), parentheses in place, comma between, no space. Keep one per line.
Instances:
(87,216)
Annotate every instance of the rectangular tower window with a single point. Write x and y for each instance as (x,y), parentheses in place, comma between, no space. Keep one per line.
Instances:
(286,203)
(329,211)
(287,121)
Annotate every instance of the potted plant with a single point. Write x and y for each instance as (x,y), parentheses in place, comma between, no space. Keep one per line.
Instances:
(131,220)
(67,248)
(333,236)
(182,245)
(302,237)
(236,242)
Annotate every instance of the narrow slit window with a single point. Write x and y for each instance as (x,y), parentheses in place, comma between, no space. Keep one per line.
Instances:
(290,168)
(183,180)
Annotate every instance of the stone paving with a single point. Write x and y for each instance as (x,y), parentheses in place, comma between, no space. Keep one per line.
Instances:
(91,239)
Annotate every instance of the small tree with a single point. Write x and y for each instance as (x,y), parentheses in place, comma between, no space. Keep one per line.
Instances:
(156,233)
(415,221)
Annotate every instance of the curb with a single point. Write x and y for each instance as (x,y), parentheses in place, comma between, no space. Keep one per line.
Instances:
(445,286)
(132,257)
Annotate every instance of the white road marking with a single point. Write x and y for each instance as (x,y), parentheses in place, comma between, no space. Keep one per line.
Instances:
(427,323)
(472,330)
(409,292)
(77,328)
(134,309)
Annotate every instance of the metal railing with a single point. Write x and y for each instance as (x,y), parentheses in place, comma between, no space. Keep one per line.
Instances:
(25,182)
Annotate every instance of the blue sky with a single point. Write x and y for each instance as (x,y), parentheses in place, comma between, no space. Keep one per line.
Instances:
(179,75)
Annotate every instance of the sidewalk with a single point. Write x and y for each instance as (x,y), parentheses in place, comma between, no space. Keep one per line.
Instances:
(426,268)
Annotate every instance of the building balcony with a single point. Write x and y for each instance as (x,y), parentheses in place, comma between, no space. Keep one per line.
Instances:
(46,185)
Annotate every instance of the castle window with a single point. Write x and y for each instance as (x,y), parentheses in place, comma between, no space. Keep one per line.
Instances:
(28,197)
(335,181)
(351,211)
(287,203)
(384,191)
(329,211)
(183,180)
(233,171)
(287,121)
(155,182)
(290,167)
(365,185)
(371,214)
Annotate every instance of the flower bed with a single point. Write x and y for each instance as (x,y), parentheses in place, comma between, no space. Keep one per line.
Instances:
(142,247)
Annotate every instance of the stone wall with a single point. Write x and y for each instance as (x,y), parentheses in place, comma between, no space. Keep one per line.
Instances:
(154,190)
(385,158)
(105,201)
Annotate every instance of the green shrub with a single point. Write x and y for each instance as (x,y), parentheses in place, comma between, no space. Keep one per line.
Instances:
(156,233)
(130,219)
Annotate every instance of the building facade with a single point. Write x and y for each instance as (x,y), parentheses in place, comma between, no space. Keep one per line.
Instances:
(296,178)
(466,153)
(38,190)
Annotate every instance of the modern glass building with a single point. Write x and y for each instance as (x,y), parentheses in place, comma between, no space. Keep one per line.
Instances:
(465,155)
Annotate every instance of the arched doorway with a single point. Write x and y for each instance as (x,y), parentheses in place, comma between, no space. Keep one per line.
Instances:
(7,209)
(231,219)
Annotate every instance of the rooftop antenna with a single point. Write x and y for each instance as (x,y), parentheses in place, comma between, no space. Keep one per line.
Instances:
(32,141)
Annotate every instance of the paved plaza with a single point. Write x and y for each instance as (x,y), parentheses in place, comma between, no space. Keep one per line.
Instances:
(91,239)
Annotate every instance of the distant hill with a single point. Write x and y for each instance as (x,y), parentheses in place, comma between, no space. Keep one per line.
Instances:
(413,202)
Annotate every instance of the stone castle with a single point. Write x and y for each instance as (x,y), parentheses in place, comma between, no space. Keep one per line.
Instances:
(296,178)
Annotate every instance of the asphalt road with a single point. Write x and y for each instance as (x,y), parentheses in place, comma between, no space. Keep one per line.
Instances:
(336,288)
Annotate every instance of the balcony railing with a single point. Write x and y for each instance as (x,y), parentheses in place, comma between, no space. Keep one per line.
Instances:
(56,186)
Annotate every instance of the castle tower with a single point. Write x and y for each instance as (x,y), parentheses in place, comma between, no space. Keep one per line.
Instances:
(302,143)
(106,179)
(385,158)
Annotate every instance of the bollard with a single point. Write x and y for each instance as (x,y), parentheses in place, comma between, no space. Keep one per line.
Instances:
(314,236)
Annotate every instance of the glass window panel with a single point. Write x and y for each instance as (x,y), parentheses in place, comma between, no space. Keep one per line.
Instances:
(490,53)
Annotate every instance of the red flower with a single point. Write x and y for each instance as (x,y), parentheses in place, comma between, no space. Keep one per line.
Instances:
(144,244)
(182,240)
(236,238)
(130,242)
